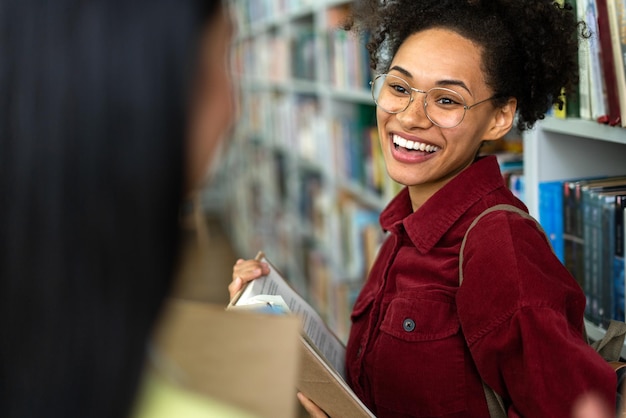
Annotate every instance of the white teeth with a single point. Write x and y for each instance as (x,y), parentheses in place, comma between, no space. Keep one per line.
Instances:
(408,144)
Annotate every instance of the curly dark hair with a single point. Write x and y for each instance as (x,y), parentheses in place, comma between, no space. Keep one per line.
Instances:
(530,47)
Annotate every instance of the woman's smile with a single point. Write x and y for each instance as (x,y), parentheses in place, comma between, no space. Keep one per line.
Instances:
(411,150)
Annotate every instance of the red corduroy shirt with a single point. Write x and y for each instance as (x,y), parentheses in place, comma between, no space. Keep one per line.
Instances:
(419,343)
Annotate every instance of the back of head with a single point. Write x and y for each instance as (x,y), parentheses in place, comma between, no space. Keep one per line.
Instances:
(93,102)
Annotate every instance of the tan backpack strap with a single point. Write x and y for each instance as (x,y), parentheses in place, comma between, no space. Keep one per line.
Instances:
(503,206)
(494,401)
(610,346)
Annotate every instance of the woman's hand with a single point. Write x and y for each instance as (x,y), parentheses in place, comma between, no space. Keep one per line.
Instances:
(245,271)
(593,406)
(313,410)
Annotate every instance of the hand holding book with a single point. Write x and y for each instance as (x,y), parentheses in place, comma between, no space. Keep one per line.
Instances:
(321,376)
(245,271)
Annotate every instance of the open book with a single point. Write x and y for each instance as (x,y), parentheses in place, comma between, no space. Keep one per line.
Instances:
(321,376)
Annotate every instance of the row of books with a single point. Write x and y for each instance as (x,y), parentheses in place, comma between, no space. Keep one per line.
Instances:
(277,58)
(251,12)
(272,66)
(344,146)
(304,56)
(338,265)
(358,156)
(281,56)
(584,219)
(601,95)
(325,242)
(349,61)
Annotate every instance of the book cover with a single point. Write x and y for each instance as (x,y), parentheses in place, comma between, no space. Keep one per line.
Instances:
(322,370)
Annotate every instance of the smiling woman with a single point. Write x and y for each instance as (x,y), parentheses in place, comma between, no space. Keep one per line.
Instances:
(454,74)
(449,80)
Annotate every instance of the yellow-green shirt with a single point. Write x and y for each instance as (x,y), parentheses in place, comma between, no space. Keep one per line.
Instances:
(159,398)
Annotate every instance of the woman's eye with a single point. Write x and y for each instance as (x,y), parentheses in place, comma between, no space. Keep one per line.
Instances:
(399,88)
(446,101)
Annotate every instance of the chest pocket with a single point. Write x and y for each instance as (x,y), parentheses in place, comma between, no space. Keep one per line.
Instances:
(419,359)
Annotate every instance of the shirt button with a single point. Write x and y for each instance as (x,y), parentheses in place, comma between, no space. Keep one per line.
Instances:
(408,325)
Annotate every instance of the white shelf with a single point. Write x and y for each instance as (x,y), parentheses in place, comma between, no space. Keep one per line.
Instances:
(309,87)
(585,129)
(560,149)
(360,96)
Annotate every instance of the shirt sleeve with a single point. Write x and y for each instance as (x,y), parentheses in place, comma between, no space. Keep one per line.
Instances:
(522,315)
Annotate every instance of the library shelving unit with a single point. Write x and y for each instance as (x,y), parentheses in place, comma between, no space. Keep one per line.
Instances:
(309,185)
(558,149)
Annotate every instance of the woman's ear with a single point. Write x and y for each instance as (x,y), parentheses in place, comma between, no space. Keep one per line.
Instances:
(502,121)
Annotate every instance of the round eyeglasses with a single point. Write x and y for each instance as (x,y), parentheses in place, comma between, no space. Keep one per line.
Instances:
(443,107)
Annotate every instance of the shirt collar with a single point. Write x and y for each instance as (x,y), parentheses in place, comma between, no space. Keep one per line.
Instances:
(433,219)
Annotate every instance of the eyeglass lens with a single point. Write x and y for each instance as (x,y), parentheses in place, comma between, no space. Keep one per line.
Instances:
(444,107)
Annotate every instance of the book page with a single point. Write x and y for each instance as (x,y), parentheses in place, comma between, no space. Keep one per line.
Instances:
(327,343)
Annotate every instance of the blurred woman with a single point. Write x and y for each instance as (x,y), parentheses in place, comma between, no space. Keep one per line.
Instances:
(110,112)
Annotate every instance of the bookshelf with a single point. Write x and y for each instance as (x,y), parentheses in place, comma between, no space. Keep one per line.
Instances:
(309,187)
(558,149)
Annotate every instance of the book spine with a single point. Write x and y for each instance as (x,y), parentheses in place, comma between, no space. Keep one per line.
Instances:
(590,252)
(608,63)
(571,238)
(597,87)
(551,214)
(618,266)
(607,258)
(616,10)
(583,62)
(573,97)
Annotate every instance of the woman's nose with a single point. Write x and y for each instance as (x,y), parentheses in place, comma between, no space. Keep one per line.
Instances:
(414,116)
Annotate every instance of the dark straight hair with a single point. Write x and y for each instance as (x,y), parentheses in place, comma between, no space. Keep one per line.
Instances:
(93,103)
